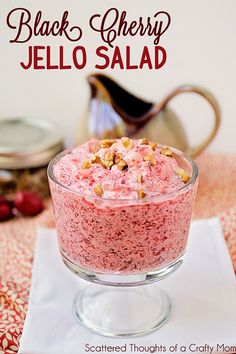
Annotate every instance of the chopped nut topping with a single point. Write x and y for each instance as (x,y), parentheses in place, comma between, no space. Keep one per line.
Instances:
(185,178)
(151,159)
(122,165)
(98,189)
(127,143)
(153,146)
(141,194)
(182,174)
(96,148)
(109,155)
(106,164)
(139,178)
(86,164)
(95,159)
(143,141)
(118,157)
(167,151)
(106,143)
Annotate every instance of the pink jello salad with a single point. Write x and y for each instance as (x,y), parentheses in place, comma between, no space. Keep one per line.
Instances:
(122,205)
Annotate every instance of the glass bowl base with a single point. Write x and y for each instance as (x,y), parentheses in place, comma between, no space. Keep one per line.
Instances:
(122,312)
(122,279)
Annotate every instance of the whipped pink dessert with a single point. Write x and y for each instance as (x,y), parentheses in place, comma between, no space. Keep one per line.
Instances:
(122,205)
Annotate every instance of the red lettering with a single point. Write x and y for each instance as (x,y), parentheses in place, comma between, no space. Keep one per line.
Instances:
(117,58)
(37,22)
(44,30)
(37,58)
(79,58)
(27,66)
(158,63)
(111,34)
(99,52)
(63,29)
(84,57)
(49,65)
(128,65)
(145,59)
(62,66)
(23,23)
(20,19)
(113,24)
(55,28)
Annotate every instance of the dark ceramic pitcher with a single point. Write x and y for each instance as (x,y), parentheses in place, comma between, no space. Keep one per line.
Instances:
(114,112)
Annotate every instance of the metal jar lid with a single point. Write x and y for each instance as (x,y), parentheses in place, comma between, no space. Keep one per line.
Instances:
(27,143)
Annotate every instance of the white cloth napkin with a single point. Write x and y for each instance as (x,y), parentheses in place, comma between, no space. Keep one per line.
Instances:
(202,290)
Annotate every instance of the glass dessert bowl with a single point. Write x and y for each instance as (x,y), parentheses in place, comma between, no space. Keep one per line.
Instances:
(123,210)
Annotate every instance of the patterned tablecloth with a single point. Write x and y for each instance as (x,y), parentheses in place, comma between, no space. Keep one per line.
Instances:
(216,197)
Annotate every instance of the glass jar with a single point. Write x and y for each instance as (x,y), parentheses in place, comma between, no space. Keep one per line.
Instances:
(26,147)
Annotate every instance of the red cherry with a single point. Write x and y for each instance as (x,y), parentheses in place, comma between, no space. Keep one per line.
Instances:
(28,203)
(5,210)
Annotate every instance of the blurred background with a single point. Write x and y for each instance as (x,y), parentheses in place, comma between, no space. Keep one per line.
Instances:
(200,50)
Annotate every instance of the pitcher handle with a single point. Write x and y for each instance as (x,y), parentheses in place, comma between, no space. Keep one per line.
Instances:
(210,99)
